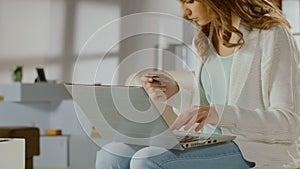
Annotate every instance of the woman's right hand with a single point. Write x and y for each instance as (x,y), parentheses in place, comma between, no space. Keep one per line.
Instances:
(159,90)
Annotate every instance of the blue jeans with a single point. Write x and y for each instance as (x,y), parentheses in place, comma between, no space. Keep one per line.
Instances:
(124,156)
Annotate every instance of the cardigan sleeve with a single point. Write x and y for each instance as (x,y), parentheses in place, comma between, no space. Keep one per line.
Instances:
(279,122)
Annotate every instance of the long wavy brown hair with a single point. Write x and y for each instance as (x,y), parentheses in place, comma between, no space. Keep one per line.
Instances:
(260,14)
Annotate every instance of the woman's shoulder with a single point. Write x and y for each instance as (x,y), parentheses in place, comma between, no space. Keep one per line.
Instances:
(266,34)
(277,30)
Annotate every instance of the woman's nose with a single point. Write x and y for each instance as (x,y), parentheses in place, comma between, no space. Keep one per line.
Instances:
(188,12)
(185,12)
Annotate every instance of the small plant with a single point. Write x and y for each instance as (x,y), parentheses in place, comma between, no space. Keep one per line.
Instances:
(17,74)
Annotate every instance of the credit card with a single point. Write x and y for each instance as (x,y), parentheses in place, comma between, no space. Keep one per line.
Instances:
(158,79)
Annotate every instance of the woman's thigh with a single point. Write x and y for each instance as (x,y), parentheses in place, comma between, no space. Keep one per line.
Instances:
(218,156)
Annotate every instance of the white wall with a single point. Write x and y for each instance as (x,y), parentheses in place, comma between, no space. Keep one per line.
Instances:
(95,33)
(137,49)
(291,9)
(50,34)
(25,114)
(24,35)
(53,115)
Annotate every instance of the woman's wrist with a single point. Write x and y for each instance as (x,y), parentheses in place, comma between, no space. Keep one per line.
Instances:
(170,93)
(213,117)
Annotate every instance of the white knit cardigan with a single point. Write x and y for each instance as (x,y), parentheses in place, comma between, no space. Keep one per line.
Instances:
(263,108)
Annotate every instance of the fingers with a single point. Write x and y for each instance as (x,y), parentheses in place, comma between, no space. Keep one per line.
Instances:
(149,81)
(155,85)
(191,123)
(155,89)
(158,95)
(160,83)
(196,114)
(177,124)
(154,78)
(200,118)
(200,125)
(184,118)
(146,79)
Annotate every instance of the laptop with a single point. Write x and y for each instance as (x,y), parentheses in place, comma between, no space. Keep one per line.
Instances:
(127,114)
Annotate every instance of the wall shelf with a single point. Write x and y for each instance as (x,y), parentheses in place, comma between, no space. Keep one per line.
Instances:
(27,92)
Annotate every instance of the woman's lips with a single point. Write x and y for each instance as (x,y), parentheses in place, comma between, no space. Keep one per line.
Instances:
(195,19)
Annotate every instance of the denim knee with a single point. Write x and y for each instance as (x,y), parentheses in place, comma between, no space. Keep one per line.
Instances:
(146,158)
(114,156)
(107,160)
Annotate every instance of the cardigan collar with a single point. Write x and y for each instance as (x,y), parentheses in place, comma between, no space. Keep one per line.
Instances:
(242,63)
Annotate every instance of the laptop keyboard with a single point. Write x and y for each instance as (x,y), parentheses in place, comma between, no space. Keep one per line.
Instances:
(189,138)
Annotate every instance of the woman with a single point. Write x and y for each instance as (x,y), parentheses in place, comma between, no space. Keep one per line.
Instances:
(247,85)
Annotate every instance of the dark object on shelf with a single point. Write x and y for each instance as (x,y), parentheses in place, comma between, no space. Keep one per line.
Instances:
(41,75)
(32,140)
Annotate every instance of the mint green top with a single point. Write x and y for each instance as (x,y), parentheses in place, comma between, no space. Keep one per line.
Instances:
(215,79)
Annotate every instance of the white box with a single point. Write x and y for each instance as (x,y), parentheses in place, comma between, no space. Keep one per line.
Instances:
(12,153)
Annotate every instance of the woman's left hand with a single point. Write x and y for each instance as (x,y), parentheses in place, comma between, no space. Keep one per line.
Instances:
(196,114)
